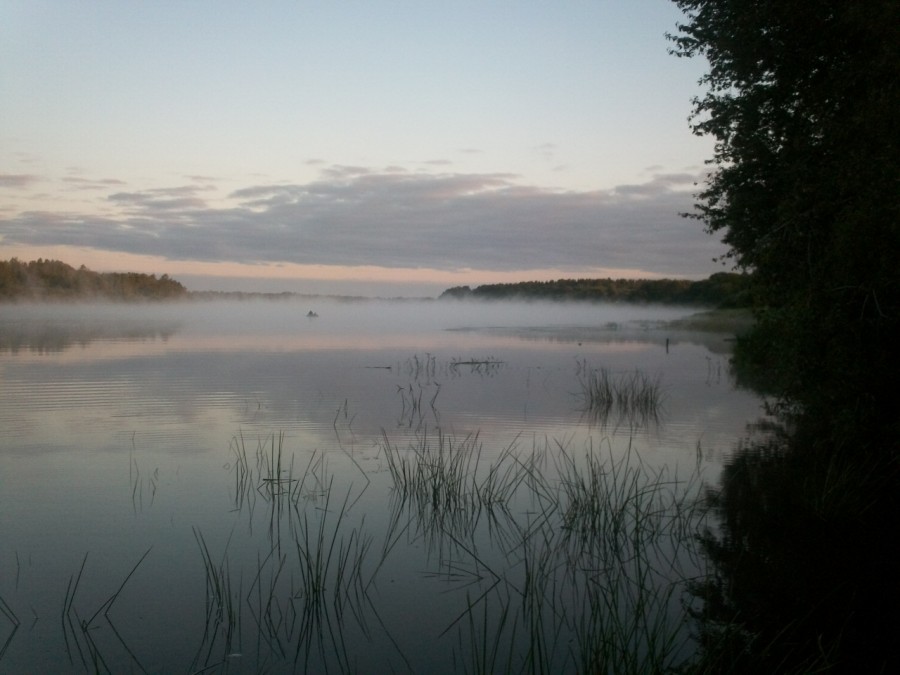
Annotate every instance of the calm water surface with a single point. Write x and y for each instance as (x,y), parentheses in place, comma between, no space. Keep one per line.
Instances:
(208,487)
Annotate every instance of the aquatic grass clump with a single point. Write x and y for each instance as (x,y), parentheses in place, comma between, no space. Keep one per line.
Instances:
(273,478)
(628,530)
(634,398)
(592,578)
(589,556)
(444,480)
(541,559)
(439,470)
(332,582)
(223,602)
(595,581)
(314,576)
(614,502)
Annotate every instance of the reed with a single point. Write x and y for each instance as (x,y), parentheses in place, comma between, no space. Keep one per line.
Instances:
(108,604)
(549,558)
(594,579)
(424,369)
(486,366)
(243,472)
(313,578)
(80,633)
(633,398)
(222,601)
(10,615)
(436,481)
(413,412)
(564,561)
(332,581)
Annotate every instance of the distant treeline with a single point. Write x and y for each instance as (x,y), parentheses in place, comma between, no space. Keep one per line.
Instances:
(724,289)
(52,280)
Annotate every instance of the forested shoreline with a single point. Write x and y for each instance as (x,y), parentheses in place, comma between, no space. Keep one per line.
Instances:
(54,281)
(723,289)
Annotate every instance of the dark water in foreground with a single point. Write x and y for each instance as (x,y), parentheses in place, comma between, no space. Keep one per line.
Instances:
(392,486)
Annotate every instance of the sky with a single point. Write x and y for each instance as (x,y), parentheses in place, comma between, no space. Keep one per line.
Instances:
(365,148)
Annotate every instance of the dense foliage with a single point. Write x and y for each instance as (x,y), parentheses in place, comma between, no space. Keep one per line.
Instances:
(54,280)
(720,290)
(802,100)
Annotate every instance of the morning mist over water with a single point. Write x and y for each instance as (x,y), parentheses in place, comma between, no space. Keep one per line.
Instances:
(373,483)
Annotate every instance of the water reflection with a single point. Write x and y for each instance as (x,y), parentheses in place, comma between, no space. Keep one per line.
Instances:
(366,485)
(804,557)
(51,336)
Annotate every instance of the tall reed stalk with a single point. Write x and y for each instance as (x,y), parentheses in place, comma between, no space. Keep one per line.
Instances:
(633,398)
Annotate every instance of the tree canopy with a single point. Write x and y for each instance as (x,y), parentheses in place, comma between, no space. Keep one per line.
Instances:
(55,280)
(802,99)
(722,289)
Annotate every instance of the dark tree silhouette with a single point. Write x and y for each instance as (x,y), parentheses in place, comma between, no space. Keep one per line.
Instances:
(802,100)
(54,280)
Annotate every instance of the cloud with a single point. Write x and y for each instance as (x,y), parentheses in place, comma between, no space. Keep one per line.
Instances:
(17,180)
(92,184)
(363,216)
(168,200)
(339,171)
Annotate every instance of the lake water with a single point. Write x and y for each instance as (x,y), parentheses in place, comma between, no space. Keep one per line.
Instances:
(406,486)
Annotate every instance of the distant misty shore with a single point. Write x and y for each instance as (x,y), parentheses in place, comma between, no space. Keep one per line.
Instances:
(55,281)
